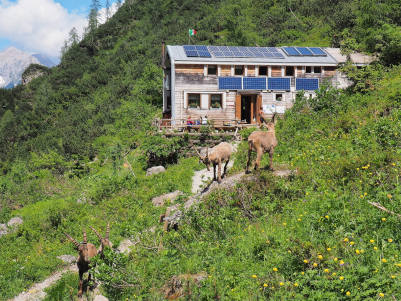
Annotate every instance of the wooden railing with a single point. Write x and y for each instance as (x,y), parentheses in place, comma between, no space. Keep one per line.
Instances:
(215,123)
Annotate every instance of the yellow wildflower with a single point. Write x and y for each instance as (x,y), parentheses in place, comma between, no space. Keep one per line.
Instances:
(329,249)
(381,294)
(341,262)
(341,278)
(375,248)
(296,284)
(346,239)
(254,276)
(357,251)
(306,261)
(334,274)
(327,217)
(265,285)
(371,241)
(352,243)
(326,270)
(390,240)
(302,273)
(275,269)
(389,196)
(383,219)
(281,283)
(348,293)
(335,259)
(315,264)
(320,257)
(384,260)
(393,276)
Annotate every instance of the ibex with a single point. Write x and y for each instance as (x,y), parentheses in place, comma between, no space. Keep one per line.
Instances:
(218,154)
(262,142)
(104,241)
(86,252)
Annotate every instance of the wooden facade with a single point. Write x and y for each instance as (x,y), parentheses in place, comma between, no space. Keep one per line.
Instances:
(190,92)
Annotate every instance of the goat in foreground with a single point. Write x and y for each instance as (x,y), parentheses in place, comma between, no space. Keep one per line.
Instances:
(262,142)
(219,154)
(86,252)
(104,241)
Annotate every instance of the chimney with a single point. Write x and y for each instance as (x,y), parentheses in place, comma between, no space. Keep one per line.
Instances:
(163,55)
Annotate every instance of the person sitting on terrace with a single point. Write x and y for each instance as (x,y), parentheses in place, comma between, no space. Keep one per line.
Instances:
(204,120)
(190,123)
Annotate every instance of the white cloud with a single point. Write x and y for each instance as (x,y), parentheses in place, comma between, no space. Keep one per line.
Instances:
(38,25)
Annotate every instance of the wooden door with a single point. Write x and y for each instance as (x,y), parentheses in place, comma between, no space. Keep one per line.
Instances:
(258,106)
(238,107)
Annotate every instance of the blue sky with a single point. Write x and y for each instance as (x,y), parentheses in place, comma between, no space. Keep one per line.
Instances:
(41,26)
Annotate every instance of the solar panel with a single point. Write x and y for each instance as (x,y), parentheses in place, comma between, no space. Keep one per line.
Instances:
(304,51)
(254,83)
(196,51)
(230,83)
(278,83)
(307,84)
(317,51)
(291,51)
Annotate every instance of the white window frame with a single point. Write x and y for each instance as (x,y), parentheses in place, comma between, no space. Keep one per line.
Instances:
(203,92)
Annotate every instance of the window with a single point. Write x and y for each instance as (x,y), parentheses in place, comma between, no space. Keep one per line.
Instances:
(262,70)
(308,69)
(317,69)
(289,71)
(239,70)
(278,97)
(216,101)
(212,70)
(193,101)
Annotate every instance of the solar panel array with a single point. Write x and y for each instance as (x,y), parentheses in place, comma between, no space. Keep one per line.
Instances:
(308,84)
(242,51)
(230,83)
(259,83)
(196,51)
(278,83)
(254,83)
(304,51)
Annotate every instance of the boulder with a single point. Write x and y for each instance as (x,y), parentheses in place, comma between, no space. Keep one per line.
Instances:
(175,287)
(160,200)
(125,246)
(67,258)
(14,222)
(155,170)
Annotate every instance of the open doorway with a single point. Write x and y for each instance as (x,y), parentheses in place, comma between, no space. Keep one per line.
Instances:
(247,108)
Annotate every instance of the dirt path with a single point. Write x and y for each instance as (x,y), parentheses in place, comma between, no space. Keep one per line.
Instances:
(36,292)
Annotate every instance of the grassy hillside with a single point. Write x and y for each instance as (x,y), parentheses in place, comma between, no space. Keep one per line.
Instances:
(74,145)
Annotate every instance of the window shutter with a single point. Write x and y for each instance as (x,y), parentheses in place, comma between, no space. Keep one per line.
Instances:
(238,107)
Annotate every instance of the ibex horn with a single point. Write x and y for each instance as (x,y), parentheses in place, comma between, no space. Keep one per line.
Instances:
(207,152)
(274,117)
(197,151)
(72,240)
(97,233)
(107,230)
(85,239)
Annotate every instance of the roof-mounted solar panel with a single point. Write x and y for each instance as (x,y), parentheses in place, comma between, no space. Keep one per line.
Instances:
(317,51)
(196,51)
(291,51)
(189,47)
(191,53)
(204,54)
(304,51)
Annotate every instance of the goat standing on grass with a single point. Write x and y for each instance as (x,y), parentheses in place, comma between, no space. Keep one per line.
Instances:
(219,154)
(86,252)
(262,142)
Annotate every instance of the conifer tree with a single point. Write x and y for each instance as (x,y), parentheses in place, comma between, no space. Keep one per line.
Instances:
(73,37)
(107,9)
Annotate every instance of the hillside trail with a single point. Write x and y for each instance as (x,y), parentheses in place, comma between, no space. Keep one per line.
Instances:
(202,185)
(36,292)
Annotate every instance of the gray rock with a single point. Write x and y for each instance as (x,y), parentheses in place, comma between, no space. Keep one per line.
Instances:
(155,170)
(15,221)
(160,200)
(3,229)
(125,246)
(67,258)
(100,298)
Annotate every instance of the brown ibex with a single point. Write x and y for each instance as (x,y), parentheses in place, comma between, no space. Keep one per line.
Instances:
(104,241)
(262,142)
(86,252)
(219,154)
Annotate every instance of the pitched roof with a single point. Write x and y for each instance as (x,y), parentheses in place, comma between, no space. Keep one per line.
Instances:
(177,54)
